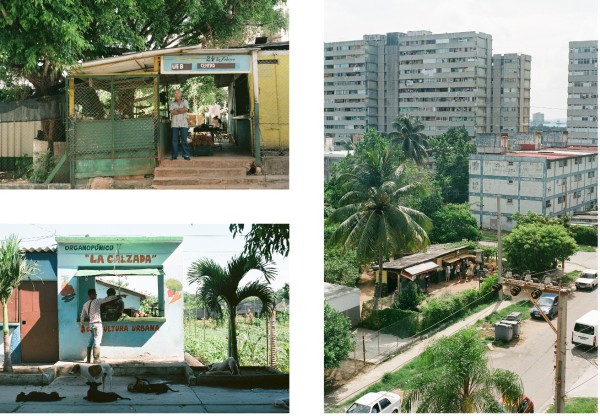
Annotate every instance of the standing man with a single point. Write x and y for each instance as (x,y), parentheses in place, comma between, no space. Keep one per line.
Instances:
(179,126)
(91,309)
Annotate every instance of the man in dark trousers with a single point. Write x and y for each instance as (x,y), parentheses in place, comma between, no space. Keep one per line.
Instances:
(91,309)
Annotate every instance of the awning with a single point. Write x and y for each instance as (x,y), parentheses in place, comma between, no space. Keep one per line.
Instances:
(413,271)
(457,258)
(111,272)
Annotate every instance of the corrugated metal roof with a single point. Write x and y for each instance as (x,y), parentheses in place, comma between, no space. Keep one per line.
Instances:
(335,291)
(46,249)
(434,251)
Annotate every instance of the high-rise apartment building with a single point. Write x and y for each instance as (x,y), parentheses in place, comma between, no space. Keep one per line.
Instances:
(537,119)
(351,86)
(511,78)
(443,79)
(582,102)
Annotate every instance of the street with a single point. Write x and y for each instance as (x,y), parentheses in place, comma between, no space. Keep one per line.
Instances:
(533,357)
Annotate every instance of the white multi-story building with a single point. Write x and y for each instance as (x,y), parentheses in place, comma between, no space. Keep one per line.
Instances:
(582,102)
(553,180)
(443,79)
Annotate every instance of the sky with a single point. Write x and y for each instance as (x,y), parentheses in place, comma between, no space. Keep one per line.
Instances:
(213,241)
(540,28)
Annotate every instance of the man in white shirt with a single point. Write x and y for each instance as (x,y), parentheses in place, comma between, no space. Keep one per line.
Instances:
(91,309)
(179,126)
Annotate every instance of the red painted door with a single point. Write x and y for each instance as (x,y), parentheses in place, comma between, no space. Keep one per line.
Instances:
(38,312)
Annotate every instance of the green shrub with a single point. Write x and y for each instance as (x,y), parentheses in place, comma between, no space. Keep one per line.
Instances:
(341,267)
(409,298)
(42,167)
(397,322)
(457,305)
(585,235)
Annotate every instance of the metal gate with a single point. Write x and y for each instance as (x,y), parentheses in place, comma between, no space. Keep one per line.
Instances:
(113,125)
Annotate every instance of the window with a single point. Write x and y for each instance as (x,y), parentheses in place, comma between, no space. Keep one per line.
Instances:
(578,160)
(509,219)
(591,190)
(591,174)
(548,204)
(561,199)
(577,194)
(509,201)
(548,164)
(510,163)
(592,158)
(577,178)
(384,403)
(562,163)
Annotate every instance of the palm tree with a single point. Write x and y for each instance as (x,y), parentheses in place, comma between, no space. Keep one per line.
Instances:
(458,380)
(409,136)
(218,284)
(372,220)
(13,269)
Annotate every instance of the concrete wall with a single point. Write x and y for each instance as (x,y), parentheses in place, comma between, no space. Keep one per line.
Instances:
(161,340)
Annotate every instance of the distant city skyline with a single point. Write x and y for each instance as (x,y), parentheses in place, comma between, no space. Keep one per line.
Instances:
(529,27)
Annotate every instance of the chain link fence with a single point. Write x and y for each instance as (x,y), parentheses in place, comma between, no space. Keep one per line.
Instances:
(273,70)
(113,125)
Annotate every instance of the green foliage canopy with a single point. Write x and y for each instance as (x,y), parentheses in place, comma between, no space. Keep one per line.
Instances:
(341,267)
(454,222)
(537,247)
(337,337)
(451,152)
(265,239)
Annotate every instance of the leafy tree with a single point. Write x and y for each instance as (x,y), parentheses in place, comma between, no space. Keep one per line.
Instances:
(38,41)
(451,152)
(372,219)
(454,222)
(283,293)
(409,298)
(409,136)
(265,239)
(218,284)
(341,267)
(202,92)
(457,379)
(538,247)
(538,219)
(584,234)
(337,336)
(13,270)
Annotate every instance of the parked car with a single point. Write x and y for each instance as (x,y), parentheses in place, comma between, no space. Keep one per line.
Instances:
(380,402)
(548,304)
(585,331)
(587,280)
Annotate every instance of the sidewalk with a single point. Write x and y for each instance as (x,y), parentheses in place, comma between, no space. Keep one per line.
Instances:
(195,399)
(362,382)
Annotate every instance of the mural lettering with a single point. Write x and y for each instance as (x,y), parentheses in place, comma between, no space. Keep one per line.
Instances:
(125,328)
(121,258)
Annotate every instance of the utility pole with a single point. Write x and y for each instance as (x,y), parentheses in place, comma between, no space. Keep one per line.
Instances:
(560,330)
(561,352)
(499,227)
(566,196)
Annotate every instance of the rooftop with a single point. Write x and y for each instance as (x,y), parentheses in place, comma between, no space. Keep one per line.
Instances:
(335,291)
(433,251)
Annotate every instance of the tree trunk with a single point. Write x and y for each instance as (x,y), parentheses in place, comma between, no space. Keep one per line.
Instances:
(378,282)
(7,366)
(233,351)
(273,342)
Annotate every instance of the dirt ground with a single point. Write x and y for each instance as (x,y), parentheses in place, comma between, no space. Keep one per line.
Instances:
(7,178)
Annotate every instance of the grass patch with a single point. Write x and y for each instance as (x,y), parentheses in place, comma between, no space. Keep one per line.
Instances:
(207,341)
(390,381)
(570,277)
(588,249)
(578,405)
(522,307)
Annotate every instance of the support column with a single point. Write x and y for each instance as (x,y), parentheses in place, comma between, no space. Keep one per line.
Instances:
(561,352)
(256,106)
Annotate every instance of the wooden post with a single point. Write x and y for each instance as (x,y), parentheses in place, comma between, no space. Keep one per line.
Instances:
(364,352)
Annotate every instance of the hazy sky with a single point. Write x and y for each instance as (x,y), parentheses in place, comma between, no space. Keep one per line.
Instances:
(540,28)
(199,241)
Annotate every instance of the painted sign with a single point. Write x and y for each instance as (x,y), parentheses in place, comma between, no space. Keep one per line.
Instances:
(206,64)
(120,258)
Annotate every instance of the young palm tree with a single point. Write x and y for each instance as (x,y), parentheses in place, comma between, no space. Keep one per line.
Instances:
(373,221)
(218,284)
(409,136)
(458,379)
(13,269)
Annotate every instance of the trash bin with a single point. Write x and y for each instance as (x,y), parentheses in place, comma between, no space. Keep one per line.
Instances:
(503,332)
(516,326)
(513,316)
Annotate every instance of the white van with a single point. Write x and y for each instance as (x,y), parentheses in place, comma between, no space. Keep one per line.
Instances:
(586,330)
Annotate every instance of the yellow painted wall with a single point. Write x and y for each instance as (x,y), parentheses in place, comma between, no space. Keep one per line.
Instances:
(274,93)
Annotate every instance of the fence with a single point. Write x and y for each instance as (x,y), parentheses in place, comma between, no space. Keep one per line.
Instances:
(22,121)
(273,83)
(113,125)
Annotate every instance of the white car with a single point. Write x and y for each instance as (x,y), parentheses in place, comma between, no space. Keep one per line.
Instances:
(587,280)
(380,402)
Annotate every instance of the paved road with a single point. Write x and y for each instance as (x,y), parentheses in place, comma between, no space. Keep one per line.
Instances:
(533,357)
(196,399)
